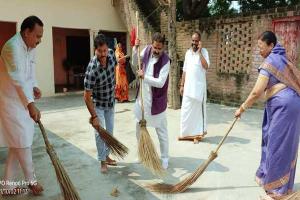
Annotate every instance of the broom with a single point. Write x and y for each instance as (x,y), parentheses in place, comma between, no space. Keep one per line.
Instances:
(184,184)
(146,150)
(294,196)
(116,147)
(66,186)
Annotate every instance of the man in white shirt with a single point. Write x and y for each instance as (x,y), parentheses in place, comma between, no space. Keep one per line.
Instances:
(155,73)
(18,115)
(193,90)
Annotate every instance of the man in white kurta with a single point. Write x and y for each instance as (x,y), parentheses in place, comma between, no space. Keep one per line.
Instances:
(158,121)
(18,89)
(193,89)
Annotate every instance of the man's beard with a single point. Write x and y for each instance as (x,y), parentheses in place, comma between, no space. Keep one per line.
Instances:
(102,60)
(195,47)
(156,54)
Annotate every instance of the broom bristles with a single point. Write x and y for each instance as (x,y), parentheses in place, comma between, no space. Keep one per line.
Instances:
(116,147)
(65,183)
(66,186)
(147,152)
(293,196)
(184,184)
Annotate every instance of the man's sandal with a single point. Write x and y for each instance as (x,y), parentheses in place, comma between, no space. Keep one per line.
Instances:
(111,162)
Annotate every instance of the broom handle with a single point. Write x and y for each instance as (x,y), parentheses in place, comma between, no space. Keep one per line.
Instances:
(139,64)
(47,143)
(225,136)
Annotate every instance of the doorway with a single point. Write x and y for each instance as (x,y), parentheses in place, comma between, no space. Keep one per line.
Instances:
(71,52)
(7,30)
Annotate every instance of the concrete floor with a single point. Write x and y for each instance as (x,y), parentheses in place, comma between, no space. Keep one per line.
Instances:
(229,177)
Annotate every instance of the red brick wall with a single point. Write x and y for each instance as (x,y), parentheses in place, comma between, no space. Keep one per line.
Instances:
(127,10)
(228,88)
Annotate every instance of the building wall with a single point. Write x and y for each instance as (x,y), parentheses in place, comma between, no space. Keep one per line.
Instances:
(230,83)
(82,14)
(127,10)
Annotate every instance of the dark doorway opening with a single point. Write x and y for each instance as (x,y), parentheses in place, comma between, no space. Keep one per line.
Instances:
(7,30)
(71,51)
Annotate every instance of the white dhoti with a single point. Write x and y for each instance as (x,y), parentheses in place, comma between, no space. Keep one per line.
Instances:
(193,117)
(16,130)
(16,126)
(16,156)
(193,108)
(158,121)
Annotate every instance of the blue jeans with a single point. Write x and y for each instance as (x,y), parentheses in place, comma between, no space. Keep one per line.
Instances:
(106,120)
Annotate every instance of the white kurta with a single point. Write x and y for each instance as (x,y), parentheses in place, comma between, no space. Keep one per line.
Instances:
(16,126)
(159,121)
(149,82)
(193,109)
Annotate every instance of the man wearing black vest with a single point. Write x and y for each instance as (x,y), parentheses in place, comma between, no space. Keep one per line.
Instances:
(155,75)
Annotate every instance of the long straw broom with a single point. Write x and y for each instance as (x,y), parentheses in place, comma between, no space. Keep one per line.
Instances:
(66,186)
(146,149)
(116,147)
(294,196)
(184,184)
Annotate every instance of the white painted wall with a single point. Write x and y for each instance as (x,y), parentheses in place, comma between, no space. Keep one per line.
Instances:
(84,14)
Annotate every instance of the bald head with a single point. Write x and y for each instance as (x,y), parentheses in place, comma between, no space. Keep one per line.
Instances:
(196,39)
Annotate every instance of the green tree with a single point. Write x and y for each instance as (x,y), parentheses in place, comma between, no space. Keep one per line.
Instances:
(194,9)
(249,5)
(191,9)
(221,7)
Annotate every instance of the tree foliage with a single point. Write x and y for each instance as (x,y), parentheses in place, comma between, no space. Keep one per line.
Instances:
(221,7)
(250,5)
(191,9)
(194,9)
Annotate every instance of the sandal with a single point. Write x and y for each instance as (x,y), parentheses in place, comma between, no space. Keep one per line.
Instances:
(110,161)
(196,139)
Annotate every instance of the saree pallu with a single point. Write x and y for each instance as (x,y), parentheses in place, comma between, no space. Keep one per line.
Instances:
(280,139)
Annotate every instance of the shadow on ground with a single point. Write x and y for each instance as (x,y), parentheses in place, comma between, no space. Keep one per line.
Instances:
(83,171)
